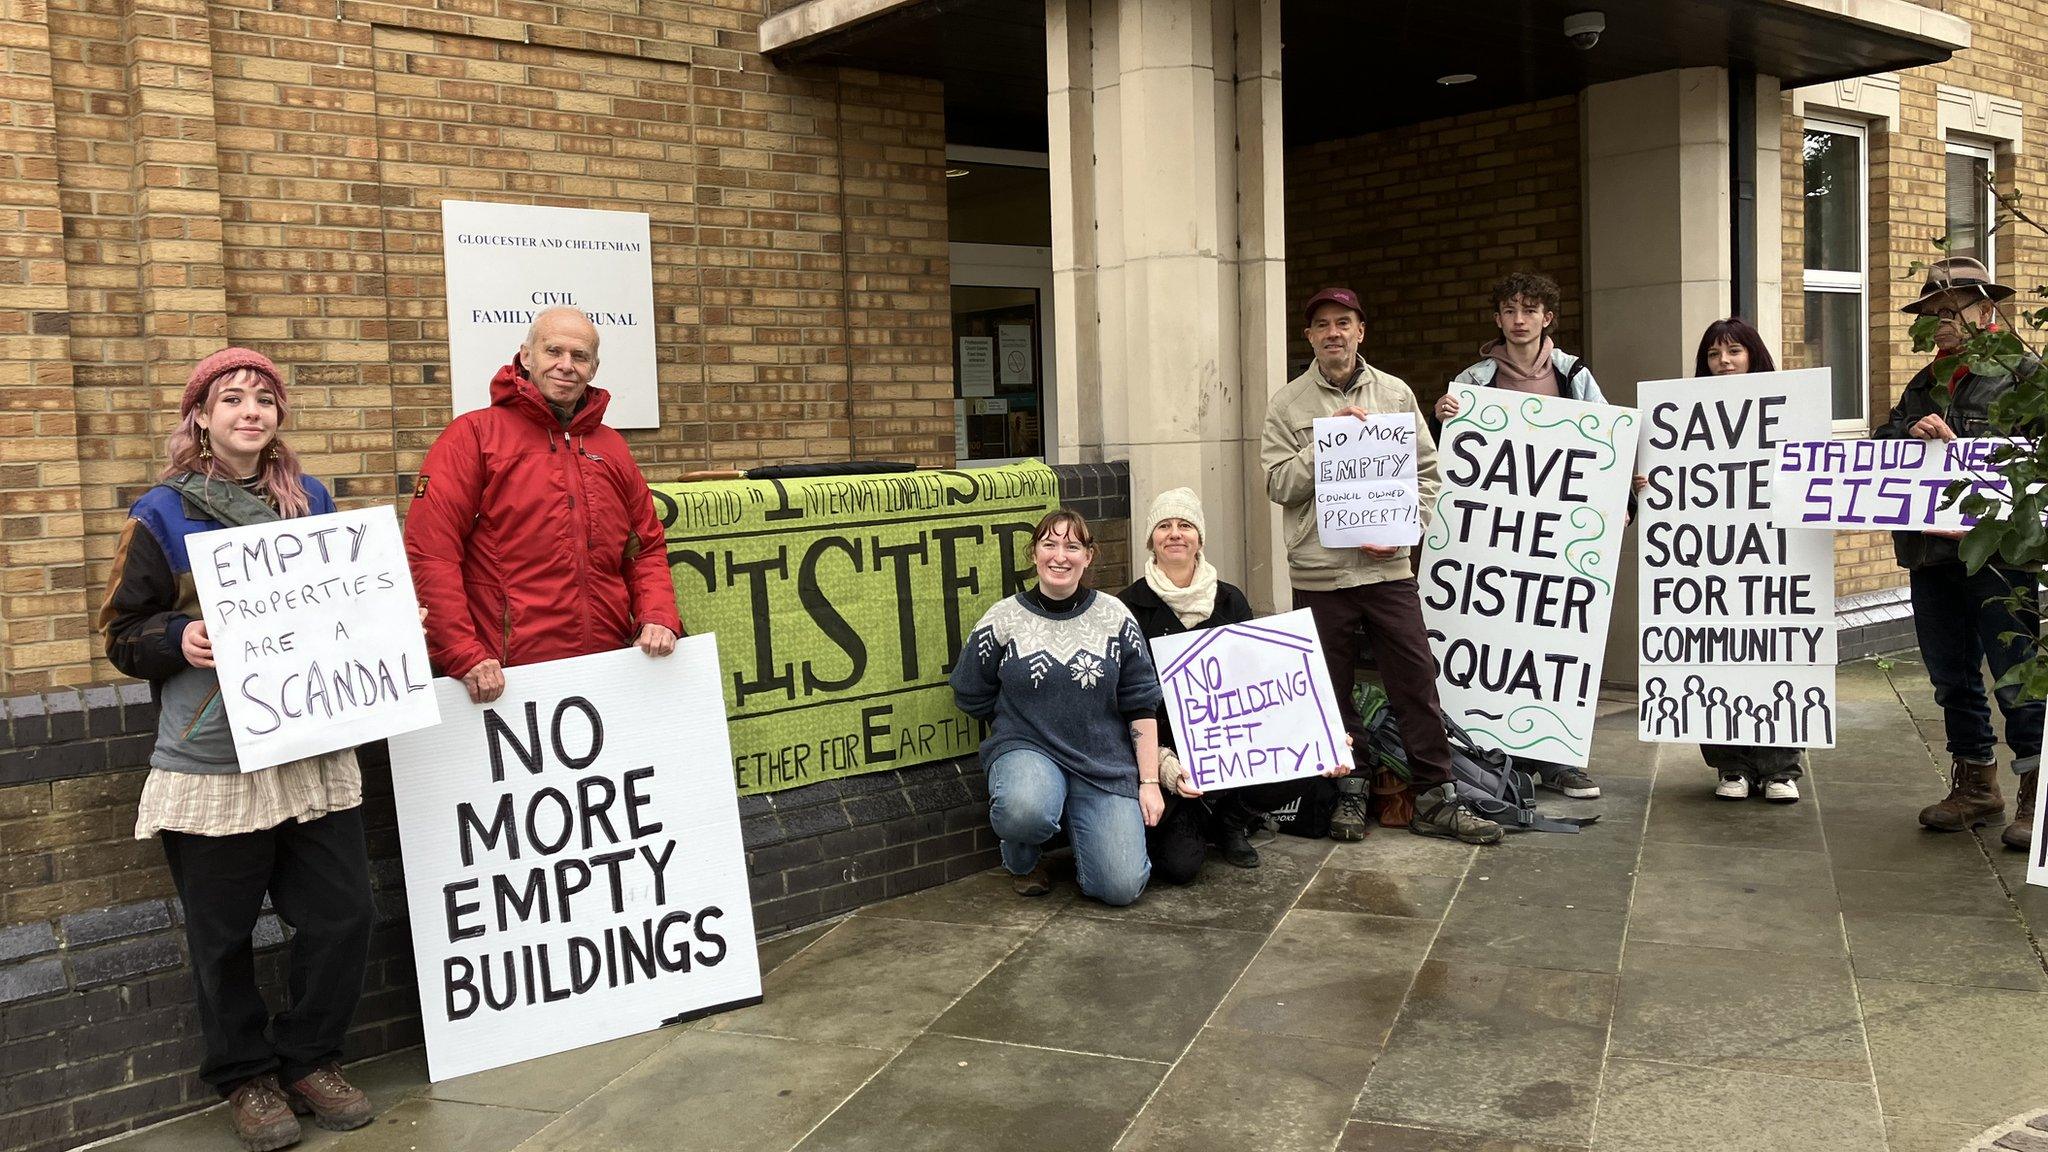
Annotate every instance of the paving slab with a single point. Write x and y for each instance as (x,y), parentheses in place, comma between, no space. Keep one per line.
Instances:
(1235,1091)
(1234,899)
(985,898)
(945,1094)
(1483,929)
(1957,1055)
(1333,976)
(1120,988)
(1774,866)
(1499,1051)
(1360,1136)
(1984,952)
(558,1082)
(1740,1011)
(1646,1107)
(712,1092)
(1534,873)
(445,1126)
(875,983)
(1399,850)
(1714,912)
(1913,893)
(1913,1134)
(1376,893)
(1686,814)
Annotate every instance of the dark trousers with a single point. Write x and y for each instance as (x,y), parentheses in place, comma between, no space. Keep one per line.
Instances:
(1392,615)
(1960,619)
(1758,765)
(318,878)
(1180,841)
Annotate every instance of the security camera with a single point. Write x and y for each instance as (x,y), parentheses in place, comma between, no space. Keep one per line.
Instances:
(1583,29)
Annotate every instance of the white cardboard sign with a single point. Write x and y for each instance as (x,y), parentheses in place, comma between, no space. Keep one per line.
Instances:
(1365,481)
(573,865)
(1518,566)
(316,633)
(507,262)
(1892,485)
(1736,638)
(1251,703)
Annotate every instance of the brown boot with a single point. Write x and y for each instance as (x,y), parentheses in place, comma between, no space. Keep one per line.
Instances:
(262,1119)
(2020,833)
(334,1103)
(1972,799)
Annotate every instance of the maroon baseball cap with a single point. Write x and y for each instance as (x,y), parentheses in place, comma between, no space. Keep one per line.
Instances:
(1344,296)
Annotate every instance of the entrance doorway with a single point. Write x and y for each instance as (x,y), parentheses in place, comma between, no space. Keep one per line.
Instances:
(1000,222)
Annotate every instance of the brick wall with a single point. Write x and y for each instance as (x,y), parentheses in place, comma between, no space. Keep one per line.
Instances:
(178,175)
(97,1029)
(1422,220)
(1906,208)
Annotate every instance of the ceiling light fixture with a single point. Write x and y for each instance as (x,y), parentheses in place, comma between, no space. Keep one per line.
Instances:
(1456,78)
(955,173)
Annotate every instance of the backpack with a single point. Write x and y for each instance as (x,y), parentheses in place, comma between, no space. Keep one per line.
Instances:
(1565,376)
(1487,778)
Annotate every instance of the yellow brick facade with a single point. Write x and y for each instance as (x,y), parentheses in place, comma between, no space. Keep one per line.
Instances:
(180,174)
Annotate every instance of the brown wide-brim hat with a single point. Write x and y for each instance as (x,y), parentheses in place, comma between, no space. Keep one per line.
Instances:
(1956,279)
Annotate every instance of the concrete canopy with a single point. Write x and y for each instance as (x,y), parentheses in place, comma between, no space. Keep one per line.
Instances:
(1353,68)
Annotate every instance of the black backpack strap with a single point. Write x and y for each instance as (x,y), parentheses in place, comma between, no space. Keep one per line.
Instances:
(1565,376)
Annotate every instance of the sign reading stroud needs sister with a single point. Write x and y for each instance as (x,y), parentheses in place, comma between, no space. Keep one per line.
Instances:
(1899,485)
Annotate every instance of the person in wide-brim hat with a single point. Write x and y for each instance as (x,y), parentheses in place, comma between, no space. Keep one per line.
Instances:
(1955,282)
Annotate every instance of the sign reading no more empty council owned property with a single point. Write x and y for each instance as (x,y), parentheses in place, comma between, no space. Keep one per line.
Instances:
(508,262)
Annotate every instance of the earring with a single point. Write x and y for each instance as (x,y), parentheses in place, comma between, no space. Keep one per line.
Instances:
(270,453)
(205,447)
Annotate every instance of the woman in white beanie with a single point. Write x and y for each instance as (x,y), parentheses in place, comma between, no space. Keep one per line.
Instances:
(1180,592)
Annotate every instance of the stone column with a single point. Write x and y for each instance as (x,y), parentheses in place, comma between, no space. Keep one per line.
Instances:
(1167,277)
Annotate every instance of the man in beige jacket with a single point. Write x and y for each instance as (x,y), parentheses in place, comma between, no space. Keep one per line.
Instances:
(1369,585)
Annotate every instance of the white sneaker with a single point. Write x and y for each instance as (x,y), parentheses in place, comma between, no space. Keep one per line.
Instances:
(1736,788)
(1781,792)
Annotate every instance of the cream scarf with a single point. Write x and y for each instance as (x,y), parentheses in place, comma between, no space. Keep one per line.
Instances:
(1192,604)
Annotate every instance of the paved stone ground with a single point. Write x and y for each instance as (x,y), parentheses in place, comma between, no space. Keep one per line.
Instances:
(1689,974)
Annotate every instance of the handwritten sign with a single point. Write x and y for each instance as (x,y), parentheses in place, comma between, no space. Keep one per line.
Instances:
(1899,485)
(1519,564)
(1736,618)
(316,633)
(573,867)
(1251,703)
(2037,862)
(1365,481)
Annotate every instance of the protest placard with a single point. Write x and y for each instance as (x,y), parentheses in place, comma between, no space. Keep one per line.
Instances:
(1898,485)
(573,867)
(1518,566)
(2037,856)
(842,601)
(1365,481)
(1251,703)
(1736,618)
(316,633)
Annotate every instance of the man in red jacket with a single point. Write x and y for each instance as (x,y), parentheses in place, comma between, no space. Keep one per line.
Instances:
(532,535)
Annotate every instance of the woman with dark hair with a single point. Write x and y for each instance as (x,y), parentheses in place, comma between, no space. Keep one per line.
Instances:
(293,832)
(1732,347)
(1065,680)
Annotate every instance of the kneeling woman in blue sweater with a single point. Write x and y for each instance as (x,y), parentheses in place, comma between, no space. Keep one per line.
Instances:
(1063,675)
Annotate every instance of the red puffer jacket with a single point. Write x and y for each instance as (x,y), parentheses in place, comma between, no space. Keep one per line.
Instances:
(529,543)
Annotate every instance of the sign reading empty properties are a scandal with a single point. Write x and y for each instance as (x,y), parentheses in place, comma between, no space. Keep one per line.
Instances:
(840,604)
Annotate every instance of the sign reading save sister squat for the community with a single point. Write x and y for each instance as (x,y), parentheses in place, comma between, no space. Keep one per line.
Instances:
(1251,703)
(840,603)
(1518,566)
(316,633)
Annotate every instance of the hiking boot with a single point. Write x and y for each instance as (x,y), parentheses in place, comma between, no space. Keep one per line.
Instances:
(1781,792)
(1972,798)
(333,1102)
(261,1117)
(1574,783)
(1734,786)
(1348,821)
(1439,812)
(1036,882)
(2020,833)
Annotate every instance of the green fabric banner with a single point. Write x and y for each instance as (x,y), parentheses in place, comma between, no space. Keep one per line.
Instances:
(839,604)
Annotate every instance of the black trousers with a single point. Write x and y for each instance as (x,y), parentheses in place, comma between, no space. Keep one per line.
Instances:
(1179,842)
(1392,614)
(318,877)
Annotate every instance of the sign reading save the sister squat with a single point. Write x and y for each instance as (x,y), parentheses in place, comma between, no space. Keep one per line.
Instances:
(1251,703)
(1518,566)
(1365,481)
(842,601)
(316,633)
(573,868)
(1737,617)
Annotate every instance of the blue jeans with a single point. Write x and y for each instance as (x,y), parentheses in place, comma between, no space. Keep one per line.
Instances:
(1028,795)
(1959,619)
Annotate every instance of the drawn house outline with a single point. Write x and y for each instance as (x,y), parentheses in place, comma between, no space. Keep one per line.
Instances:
(1308,651)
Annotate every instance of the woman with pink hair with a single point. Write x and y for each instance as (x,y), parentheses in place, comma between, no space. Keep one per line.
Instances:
(293,832)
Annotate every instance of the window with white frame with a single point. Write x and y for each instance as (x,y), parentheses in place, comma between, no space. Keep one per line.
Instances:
(1972,209)
(1837,262)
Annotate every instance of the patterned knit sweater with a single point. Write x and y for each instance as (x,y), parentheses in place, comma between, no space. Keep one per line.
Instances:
(1063,685)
